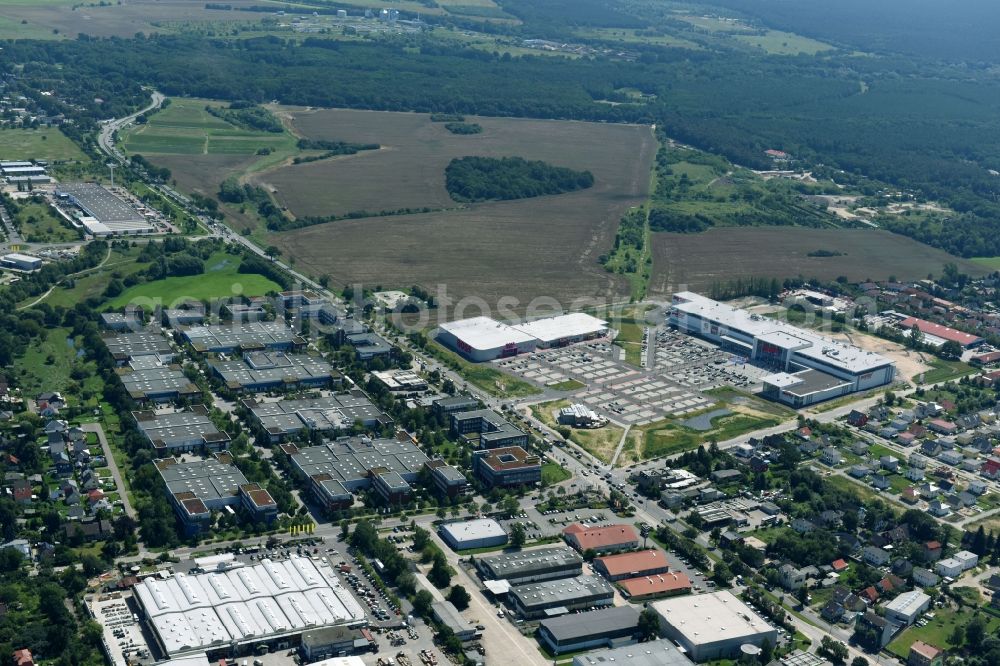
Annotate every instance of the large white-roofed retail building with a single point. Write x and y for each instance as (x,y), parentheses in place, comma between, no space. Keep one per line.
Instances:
(808,367)
(712,626)
(485,339)
(227,613)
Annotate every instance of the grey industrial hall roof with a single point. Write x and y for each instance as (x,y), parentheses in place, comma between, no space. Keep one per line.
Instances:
(450,617)
(270,367)
(324,413)
(568,628)
(564,590)
(207,479)
(156,381)
(349,459)
(806,382)
(137,343)
(101,204)
(178,427)
(660,652)
(236,334)
(523,563)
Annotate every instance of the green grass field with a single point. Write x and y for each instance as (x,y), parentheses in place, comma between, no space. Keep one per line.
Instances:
(186,128)
(220,280)
(943,371)
(568,385)
(599,442)
(38,144)
(483,376)
(937,632)
(48,362)
(553,474)
(664,438)
(40,224)
(992,263)
(777,42)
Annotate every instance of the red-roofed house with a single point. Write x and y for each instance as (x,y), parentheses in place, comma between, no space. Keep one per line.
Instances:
(606,539)
(942,427)
(932,551)
(990,468)
(923,654)
(869,594)
(23,658)
(839,565)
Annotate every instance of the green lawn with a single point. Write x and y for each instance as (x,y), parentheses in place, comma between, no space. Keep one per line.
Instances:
(482,376)
(938,631)
(40,224)
(568,385)
(945,370)
(630,339)
(553,474)
(48,362)
(37,144)
(664,438)
(992,263)
(220,280)
(93,283)
(599,442)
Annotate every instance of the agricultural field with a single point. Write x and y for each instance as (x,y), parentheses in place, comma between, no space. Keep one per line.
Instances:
(220,280)
(200,149)
(37,144)
(696,261)
(541,246)
(65,19)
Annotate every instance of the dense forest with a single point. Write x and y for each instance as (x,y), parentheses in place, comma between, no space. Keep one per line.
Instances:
(470,179)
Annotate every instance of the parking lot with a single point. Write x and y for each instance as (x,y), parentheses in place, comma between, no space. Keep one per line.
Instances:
(683,369)
(123,635)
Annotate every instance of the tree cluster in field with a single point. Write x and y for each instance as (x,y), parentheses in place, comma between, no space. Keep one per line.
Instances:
(471,179)
(330,149)
(249,116)
(161,174)
(447,118)
(464,128)
(335,147)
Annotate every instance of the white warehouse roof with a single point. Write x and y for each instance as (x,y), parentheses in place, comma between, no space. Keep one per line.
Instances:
(804,342)
(470,530)
(551,329)
(483,333)
(711,618)
(194,612)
